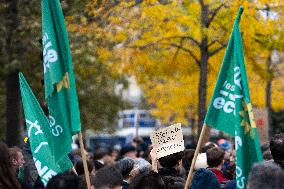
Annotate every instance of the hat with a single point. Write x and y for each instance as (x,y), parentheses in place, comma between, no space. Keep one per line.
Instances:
(224,144)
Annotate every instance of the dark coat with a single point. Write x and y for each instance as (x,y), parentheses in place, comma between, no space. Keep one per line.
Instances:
(204,179)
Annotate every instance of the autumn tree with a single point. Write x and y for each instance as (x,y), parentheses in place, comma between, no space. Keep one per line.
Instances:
(175,48)
(21,50)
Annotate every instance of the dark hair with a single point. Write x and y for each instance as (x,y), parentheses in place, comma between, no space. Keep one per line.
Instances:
(187,158)
(13,153)
(108,176)
(171,160)
(83,183)
(266,155)
(125,166)
(63,181)
(208,146)
(174,182)
(277,148)
(80,167)
(148,180)
(215,157)
(266,175)
(8,179)
(264,147)
(99,154)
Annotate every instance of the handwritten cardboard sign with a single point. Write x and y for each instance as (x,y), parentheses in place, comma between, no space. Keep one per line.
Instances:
(168,140)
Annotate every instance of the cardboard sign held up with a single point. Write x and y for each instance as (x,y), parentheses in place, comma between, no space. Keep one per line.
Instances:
(168,140)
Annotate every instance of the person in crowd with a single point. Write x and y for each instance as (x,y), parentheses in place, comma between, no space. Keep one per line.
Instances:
(207,146)
(63,181)
(277,149)
(83,183)
(16,159)
(266,155)
(215,160)
(140,146)
(108,177)
(80,168)
(8,178)
(174,182)
(141,166)
(102,156)
(114,154)
(187,159)
(147,180)
(204,179)
(126,166)
(266,175)
(171,165)
(31,176)
(128,151)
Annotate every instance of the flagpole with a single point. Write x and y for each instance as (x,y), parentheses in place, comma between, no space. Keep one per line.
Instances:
(87,176)
(200,140)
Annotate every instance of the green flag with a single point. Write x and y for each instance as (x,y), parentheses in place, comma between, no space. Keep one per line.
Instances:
(60,89)
(230,109)
(39,133)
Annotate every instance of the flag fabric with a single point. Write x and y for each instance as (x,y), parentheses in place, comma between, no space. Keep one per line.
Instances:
(39,134)
(59,82)
(230,109)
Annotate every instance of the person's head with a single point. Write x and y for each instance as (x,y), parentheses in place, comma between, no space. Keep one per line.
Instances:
(171,160)
(148,180)
(7,176)
(16,158)
(277,149)
(63,181)
(215,157)
(125,166)
(141,166)
(129,151)
(264,147)
(108,178)
(204,179)
(266,175)
(174,182)
(266,155)
(80,168)
(187,158)
(207,146)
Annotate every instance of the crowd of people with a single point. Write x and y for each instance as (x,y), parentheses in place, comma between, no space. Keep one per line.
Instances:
(135,166)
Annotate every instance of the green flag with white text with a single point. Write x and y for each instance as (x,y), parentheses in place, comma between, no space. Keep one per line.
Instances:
(39,134)
(230,109)
(60,89)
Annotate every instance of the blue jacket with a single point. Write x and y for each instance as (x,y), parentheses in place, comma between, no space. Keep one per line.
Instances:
(204,179)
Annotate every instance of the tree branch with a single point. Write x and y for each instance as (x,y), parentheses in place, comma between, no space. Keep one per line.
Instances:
(176,53)
(212,53)
(214,13)
(167,38)
(188,51)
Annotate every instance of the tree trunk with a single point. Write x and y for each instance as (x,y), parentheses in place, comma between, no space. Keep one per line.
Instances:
(13,130)
(202,89)
(268,98)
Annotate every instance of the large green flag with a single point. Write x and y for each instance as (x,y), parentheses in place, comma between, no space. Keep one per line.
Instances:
(230,109)
(60,89)
(39,134)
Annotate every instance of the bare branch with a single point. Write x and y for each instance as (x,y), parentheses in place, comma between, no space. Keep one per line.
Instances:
(188,51)
(212,53)
(194,41)
(214,12)
(176,53)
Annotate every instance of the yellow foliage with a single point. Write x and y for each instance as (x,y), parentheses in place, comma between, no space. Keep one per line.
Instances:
(161,45)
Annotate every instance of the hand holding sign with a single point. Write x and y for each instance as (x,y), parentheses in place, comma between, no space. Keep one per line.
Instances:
(168,140)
